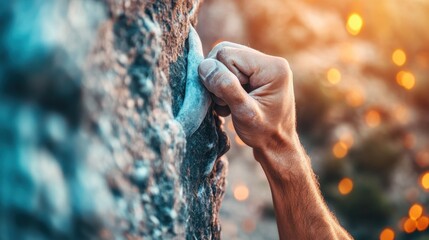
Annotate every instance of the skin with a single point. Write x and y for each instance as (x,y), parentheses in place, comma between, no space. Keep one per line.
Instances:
(257,90)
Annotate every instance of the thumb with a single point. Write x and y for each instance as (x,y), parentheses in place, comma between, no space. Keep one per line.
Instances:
(217,78)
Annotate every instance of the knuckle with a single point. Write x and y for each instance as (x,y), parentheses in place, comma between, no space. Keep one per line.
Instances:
(220,49)
(222,54)
(283,68)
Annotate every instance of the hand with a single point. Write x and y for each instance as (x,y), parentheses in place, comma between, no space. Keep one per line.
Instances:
(257,90)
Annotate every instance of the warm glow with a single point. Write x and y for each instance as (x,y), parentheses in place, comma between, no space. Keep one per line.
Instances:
(340,149)
(239,141)
(415,211)
(423,158)
(241,192)
(425,181)
(372,118)
(345,186)
(347,138)
(354,98)
(399,57)
(387,234)
(422,223)
(410,225)
(401,113)
(334,76)
(406,79)
(354,24)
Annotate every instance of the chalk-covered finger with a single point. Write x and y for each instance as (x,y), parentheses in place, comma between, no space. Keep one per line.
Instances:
(224,44)
(225,85)
(255,65)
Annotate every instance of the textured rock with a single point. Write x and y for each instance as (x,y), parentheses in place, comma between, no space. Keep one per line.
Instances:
(89,146)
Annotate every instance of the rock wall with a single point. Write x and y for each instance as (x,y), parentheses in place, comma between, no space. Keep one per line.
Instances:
(89,148)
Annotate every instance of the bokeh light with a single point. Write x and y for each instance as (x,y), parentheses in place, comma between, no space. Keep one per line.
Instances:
(406,79)
(241,192)
(333,76)
(425,181)
(387,234)
(355,98)
(410,225)
(422,223)
(415,211)
(372,118)
(354,24)
(399,57)
(360,80)
(347,138)
(340,149)
(345,186)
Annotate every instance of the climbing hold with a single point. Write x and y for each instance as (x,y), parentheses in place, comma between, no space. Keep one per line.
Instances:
(197,99)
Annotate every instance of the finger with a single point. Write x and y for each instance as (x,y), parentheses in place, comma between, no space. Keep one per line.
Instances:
(257,66)
(213,53)
(215,49)
(218,101)
(222,110)
(225,85)
(223,56)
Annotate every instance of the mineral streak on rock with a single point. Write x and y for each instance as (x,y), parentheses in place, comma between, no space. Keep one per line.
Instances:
(89,146)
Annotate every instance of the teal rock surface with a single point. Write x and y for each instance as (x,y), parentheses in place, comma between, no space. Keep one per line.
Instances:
(89,147)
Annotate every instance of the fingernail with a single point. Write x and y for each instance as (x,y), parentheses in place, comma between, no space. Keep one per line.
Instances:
(207,68)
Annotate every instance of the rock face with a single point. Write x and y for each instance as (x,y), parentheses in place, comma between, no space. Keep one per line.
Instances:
(89,148)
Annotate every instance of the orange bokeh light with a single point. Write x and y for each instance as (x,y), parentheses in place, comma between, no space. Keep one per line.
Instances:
(241,192)
(354,24)
(406,79)
(340,149)
(399,57)
(422,223)
(387,234)
(410,225)
(424,181)
(333,76)
(372,118)
(345,186)
(415,211)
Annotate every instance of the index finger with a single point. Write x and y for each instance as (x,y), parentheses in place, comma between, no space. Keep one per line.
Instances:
(219,46)
(242,77)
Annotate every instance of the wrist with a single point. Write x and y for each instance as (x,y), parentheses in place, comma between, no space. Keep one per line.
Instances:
(283,158)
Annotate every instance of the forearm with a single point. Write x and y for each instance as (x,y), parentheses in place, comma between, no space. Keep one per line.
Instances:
(300,210)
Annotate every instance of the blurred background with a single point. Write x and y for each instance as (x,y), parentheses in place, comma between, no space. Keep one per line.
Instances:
(361,75)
